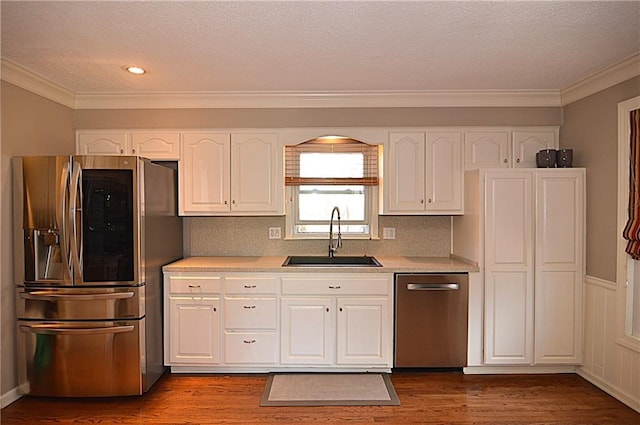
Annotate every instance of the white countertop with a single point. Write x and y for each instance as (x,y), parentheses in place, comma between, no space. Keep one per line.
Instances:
(272,264)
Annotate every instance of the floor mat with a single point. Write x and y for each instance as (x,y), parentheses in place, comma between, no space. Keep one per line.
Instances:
(325,389)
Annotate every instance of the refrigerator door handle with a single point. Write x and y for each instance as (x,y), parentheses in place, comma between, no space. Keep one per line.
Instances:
(61,330)
(62,222)
(48,295)
(75,205)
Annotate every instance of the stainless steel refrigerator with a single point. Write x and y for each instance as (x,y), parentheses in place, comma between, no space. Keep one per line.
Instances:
(92,233)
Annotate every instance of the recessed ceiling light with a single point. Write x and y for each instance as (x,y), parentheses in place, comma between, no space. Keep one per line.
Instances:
(134,69)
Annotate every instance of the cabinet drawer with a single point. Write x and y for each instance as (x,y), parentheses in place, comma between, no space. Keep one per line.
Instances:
(195,285)
(250,313)
(251,285)
(336,285)
(250,347)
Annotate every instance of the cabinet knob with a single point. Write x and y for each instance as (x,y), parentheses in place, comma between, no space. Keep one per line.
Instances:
(225,202)
(233,201)
(327,309)
(429,200)
(133,151)
(422,201)
(215,309)
(340,308)
(121,150)
(518,160)
(505,160)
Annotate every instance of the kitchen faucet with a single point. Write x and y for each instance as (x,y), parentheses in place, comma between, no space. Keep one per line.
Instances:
(333,248)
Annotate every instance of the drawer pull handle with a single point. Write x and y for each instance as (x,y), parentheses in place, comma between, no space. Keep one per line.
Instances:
(249,286)
(249,341)
(194,286)
(249,306)
(334,286)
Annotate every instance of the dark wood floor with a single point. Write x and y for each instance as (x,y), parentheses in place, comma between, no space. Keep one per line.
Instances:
(426,398)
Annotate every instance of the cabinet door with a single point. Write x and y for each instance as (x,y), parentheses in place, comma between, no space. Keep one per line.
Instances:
(444,172)
(486,149)
(527,143)
(256,173)
(102,143)
(307,331)
(405,173)
(559,266)
(204,173)
(508,318)
(364,331)
(156,146)
(509,269)
(194,330)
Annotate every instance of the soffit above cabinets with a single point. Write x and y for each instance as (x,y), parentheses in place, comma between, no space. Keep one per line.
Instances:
(241,54)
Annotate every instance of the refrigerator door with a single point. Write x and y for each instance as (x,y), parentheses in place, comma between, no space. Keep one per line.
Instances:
(80,359)
(41,202)
(105,222)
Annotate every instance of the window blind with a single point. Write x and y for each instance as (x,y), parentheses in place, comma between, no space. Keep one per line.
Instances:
(304,154)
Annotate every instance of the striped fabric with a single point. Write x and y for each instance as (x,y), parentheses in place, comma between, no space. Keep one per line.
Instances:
(632,229)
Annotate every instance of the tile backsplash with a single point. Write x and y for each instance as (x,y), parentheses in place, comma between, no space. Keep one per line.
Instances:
(427,236)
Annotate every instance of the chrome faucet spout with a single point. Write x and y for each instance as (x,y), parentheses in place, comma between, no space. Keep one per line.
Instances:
(334,247)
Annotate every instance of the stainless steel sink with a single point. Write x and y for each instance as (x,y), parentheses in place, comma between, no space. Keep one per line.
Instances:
(326,261)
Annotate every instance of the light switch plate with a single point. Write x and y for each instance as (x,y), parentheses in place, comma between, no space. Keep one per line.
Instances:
(274,233)
(388,233)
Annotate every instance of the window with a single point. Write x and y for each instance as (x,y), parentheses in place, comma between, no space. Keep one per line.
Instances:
(628,269)
(327,172)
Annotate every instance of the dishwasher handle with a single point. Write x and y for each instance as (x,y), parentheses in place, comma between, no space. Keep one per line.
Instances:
(432,287)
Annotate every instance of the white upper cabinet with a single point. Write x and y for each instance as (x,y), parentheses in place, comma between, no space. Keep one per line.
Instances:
(102,143)
(225,174)
(507,147)
(256,173)
(423,173)
(157,146)
(487,149)
(527,143)
(204,173)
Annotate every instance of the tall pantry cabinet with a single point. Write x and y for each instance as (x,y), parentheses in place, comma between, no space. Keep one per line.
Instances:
(525,228)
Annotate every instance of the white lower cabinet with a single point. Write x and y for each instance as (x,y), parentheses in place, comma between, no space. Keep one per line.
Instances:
(192,335)
(339,320)
(260,322)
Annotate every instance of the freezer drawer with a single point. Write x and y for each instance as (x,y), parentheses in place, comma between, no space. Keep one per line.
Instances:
(41,303)
(80,359)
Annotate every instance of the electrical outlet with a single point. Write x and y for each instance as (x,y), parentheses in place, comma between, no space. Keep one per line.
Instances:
(274,233)
(388,233)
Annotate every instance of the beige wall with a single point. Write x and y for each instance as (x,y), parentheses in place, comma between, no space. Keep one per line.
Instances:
(341,117)
(590,127)
(31,125)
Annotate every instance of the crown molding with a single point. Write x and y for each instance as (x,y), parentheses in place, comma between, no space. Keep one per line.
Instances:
(19,76)
(345,99)
(609,77)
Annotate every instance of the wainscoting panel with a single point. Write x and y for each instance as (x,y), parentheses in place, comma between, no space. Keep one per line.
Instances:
(607,364)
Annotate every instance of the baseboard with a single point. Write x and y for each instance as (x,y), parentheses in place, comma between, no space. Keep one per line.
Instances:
(611,390)
(496,370)
(9,397)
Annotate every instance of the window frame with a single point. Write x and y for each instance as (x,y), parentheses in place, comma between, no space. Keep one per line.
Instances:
(371,208)
(624,290)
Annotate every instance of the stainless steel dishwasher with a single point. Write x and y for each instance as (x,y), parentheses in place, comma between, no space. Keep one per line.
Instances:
(431,315)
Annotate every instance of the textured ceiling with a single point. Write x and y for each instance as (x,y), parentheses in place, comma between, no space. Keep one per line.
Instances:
(318,46)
